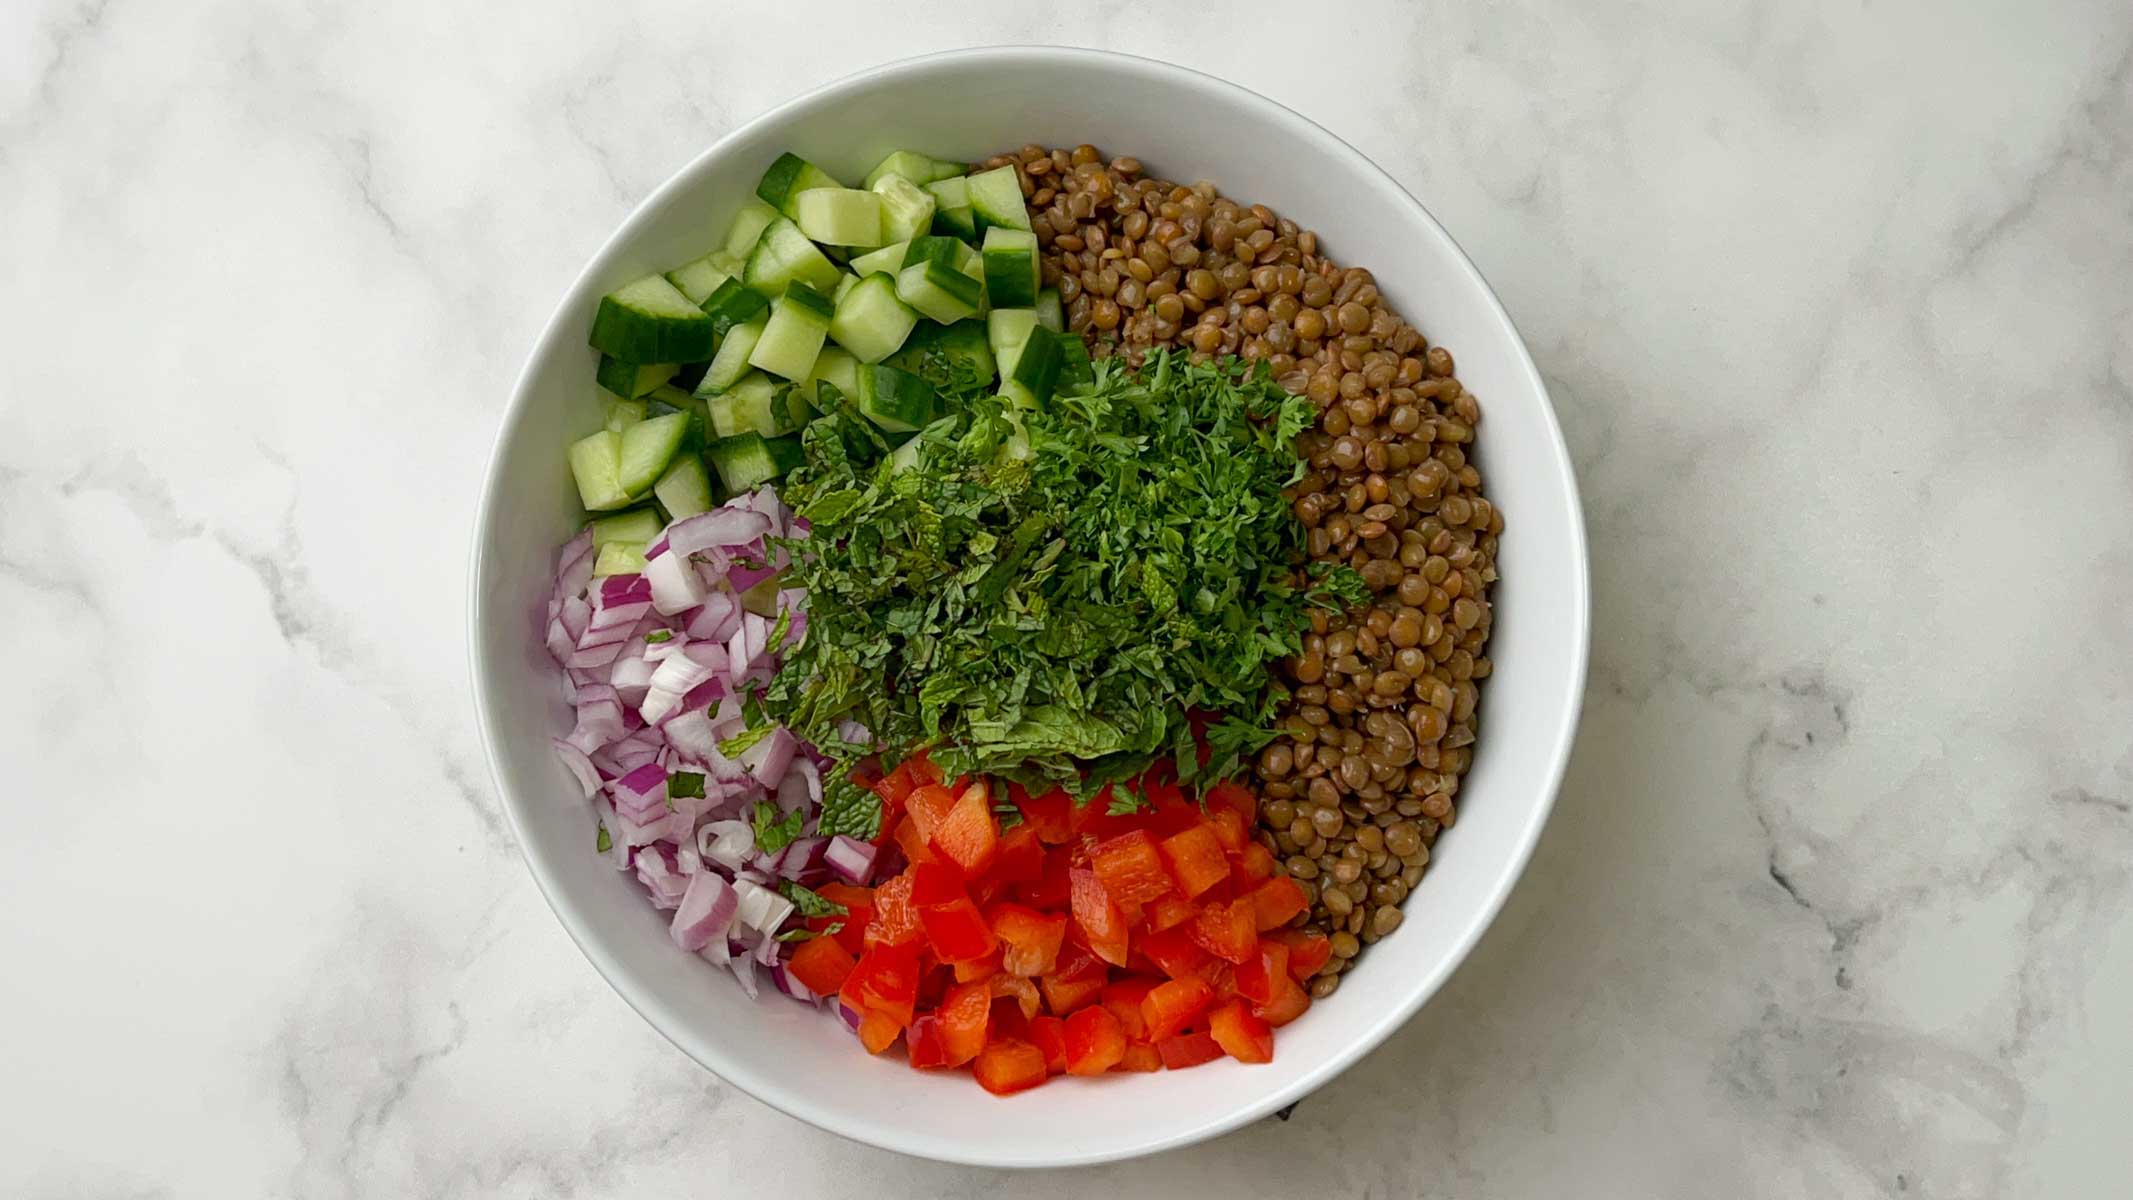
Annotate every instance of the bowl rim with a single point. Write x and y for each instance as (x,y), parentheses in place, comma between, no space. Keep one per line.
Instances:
(1375,1029)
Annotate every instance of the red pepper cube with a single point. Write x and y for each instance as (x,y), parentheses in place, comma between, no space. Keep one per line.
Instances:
(1307,952)
(1236,798)
(1008,1066)
(928,806)
(1131,869)
(1195,859)
(977,968)
(1075,981)
(1226,931)
(1098,917)
(878,1031)
(1242,1035)
(1030,940)
(1123,997)
(1048,1034)
(1172,1005)
(1168,912)
(922,1043)
(1233,832)
(1050,815)
(966,833)
(885,980)
(1290,1001)
(1140,1056)
(1173,953)
(1052,890)
(1020,856)
(957,931)
(1277,902)
(821,965)
(935,883)
(1260,979)
(895,920)
(1095,1042)
(964,1016)
(1188,1050)
(1022,991)
(1252,864)
(913,843)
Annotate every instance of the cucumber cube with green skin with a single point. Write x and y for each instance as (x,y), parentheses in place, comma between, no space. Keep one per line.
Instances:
(1050,312)
(785,255)
(619,558)
(964,340)
(1035,376)
(650,321)
(906,208)
(939,291)
(844,286)
(1010,260)
(647,447)
(789,177)
(700,277)
(748,226)
(751,460)
(840,216)
(897,401)
(886,261)
(630,380)
(799,321)
(996,197)
(871,321)
(638,525)
(685,490)
(916,167)
(1075,368)
(671,400)
(1007,330)
(617,414)
(952,214)
(758,404)
(596,465)
(734,303)
(834,366)
(732,361)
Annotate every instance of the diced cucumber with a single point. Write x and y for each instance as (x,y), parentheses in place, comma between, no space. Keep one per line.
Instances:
(886,261)
(1075,367)
(748,226)
(870,321)
(618,414)
(931,282)
(671,400)
(1010,266)
(596,464)
(844,287)
(1035,376)
(1050,313)
(906,456)
(758,404)
(996,198)
(734,303)
(784,255)
(701,277)
(898,401)
(833,366)
(647,448)
(963,340)
(916,167)
(630,380)
(1006,331)
(685,490)
(732,361)
(751,460)
(788,178)
(619,558)
(638,525)
(688,375)
(799,320)
(906,208)
(840,216)
(952,214)
(650,321)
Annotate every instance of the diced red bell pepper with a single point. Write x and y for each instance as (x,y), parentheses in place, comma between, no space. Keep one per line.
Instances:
(1007,1019)
(1307,952)
(1254,863)
(897,786)
(1188,1050)
(1074,982)
(1290,1001)
(1094,1041)
(1226,931)
(1140,1056)
(1131,869)
(1173,952)
(1049,1035)
(1052,888)
(885,980)
(935,883)
(1277,902)
(821,965)
(922,1043)
(1030,940)
(1093,817)
(1172,1005)
(895,921)
(1236,797)
(1260,978)
(1098,917)
(913,843)
(957,930)
(1008,1066)
(1195,859)
(1124,997)
(964,1015)
(1020,856)
(852,926)
(1168,912)
(1241,1034)
(1022,991)
(1050,815)
(929,806)
(1233,832)
(978,968)
(878,1031)
(966,833)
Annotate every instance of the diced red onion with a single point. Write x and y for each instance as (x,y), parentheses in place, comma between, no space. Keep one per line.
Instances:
(723,526)
(576,616)
(581,767)
(706,912)
(689,733)
(727,843)
(762,909)
(641,795)
(662,879)
(630,678)
(849,1015)
(769,759)
(783,980)
(851,859)
(675,586)
(559,642)
(599,718)
(801,857)
(617,853)
(743,968)
(574,569)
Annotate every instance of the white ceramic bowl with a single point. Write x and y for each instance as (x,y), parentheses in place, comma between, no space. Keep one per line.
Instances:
(1185,126)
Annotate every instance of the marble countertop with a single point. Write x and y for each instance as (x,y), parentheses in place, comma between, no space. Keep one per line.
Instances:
(1836,302)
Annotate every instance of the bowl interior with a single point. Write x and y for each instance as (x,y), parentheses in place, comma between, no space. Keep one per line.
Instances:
(1185,127)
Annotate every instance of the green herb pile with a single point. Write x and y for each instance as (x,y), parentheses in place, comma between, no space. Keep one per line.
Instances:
(1046,596)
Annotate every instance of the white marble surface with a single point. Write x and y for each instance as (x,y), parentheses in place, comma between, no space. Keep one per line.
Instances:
(1837,304)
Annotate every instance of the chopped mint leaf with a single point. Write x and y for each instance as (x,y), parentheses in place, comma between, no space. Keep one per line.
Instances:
(687,784)
(773,831)
(606,841)
(809,902)
(733,746)
(659,635)
(848,809)
(781,630)
(1010,814)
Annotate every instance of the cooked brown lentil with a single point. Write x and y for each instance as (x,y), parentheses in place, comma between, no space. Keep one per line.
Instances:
(1381,716)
